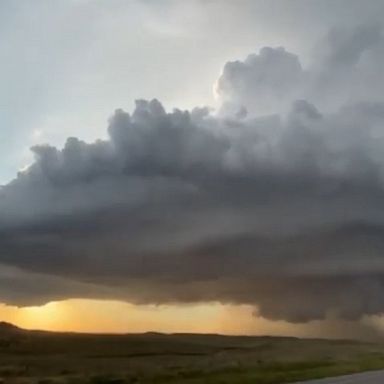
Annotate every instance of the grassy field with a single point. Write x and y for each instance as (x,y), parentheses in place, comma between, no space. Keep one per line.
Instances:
(48,358)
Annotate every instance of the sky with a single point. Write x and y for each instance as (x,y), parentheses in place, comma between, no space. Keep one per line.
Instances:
(196,166)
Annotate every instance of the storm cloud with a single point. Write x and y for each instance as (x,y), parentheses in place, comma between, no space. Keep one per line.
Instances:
(276,200)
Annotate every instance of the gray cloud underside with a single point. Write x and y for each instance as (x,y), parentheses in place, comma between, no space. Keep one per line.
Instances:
(279,206)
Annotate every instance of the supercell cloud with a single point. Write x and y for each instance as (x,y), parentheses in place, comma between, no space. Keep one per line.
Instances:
(276,200)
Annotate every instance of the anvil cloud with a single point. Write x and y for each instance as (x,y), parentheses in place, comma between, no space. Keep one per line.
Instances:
(276,200)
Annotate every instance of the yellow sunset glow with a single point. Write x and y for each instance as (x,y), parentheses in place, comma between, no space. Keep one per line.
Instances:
(81,315)
(115,316)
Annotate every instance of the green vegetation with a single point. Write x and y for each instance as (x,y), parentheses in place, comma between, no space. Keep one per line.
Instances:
(275,373)
(63,358)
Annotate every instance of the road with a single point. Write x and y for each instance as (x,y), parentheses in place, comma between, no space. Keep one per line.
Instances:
(375,377)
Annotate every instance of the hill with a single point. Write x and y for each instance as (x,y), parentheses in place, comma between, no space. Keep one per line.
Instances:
(8,327)
(74,358)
